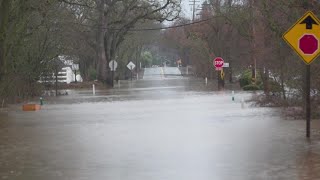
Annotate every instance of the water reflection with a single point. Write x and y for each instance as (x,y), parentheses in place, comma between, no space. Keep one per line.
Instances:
(309,164)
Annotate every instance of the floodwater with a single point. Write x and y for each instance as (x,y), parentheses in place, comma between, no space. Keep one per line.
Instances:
(163,129)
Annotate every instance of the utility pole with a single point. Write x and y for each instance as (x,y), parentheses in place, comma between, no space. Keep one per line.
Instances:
(193,8)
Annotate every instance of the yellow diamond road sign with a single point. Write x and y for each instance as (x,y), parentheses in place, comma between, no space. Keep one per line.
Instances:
(304,37)
(222,74)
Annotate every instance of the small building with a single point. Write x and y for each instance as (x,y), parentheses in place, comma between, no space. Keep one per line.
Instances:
(65,74)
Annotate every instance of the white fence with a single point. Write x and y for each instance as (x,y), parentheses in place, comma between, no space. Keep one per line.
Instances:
(66,75)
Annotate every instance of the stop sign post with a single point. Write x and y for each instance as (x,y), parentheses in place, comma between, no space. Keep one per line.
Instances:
(218,63)
(303,37)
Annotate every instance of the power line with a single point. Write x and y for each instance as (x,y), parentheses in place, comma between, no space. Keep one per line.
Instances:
(169,27)
(161,28)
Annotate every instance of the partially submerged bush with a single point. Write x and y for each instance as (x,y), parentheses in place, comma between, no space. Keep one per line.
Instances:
(246,79)
(274,86)
(15,88)
(251,87)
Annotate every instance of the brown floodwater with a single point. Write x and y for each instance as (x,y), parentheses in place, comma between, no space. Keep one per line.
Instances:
(163,129)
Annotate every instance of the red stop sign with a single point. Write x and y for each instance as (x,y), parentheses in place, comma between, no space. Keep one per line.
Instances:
(308,44)
(218,62)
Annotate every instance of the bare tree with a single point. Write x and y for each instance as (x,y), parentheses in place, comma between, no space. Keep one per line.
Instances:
(115,18)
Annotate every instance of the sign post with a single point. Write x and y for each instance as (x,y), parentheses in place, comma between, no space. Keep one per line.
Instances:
(308,104)
(131,66)
(113,66)
(218,63)
(75,67)
(303,37)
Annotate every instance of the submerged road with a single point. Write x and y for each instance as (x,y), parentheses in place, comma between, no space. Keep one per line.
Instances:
(163,129)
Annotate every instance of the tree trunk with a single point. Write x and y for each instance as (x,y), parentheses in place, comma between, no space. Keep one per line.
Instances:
(283,90)
(252,42)
(264,73)
(4,17)
(110,51)
(282,64)
(231,74)
(101,54)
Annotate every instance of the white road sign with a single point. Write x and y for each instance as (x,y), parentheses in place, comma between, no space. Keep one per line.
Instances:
(113,65)
(131,66)
(75,67)
(225,65)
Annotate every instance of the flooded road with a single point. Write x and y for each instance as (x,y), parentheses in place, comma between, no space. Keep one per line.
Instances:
(164,129)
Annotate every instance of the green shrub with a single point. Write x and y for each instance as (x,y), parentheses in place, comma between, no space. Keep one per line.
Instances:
(246,78)
(251,87)
(92,74)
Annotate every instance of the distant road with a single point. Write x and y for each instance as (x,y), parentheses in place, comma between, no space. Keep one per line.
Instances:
(160,72)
